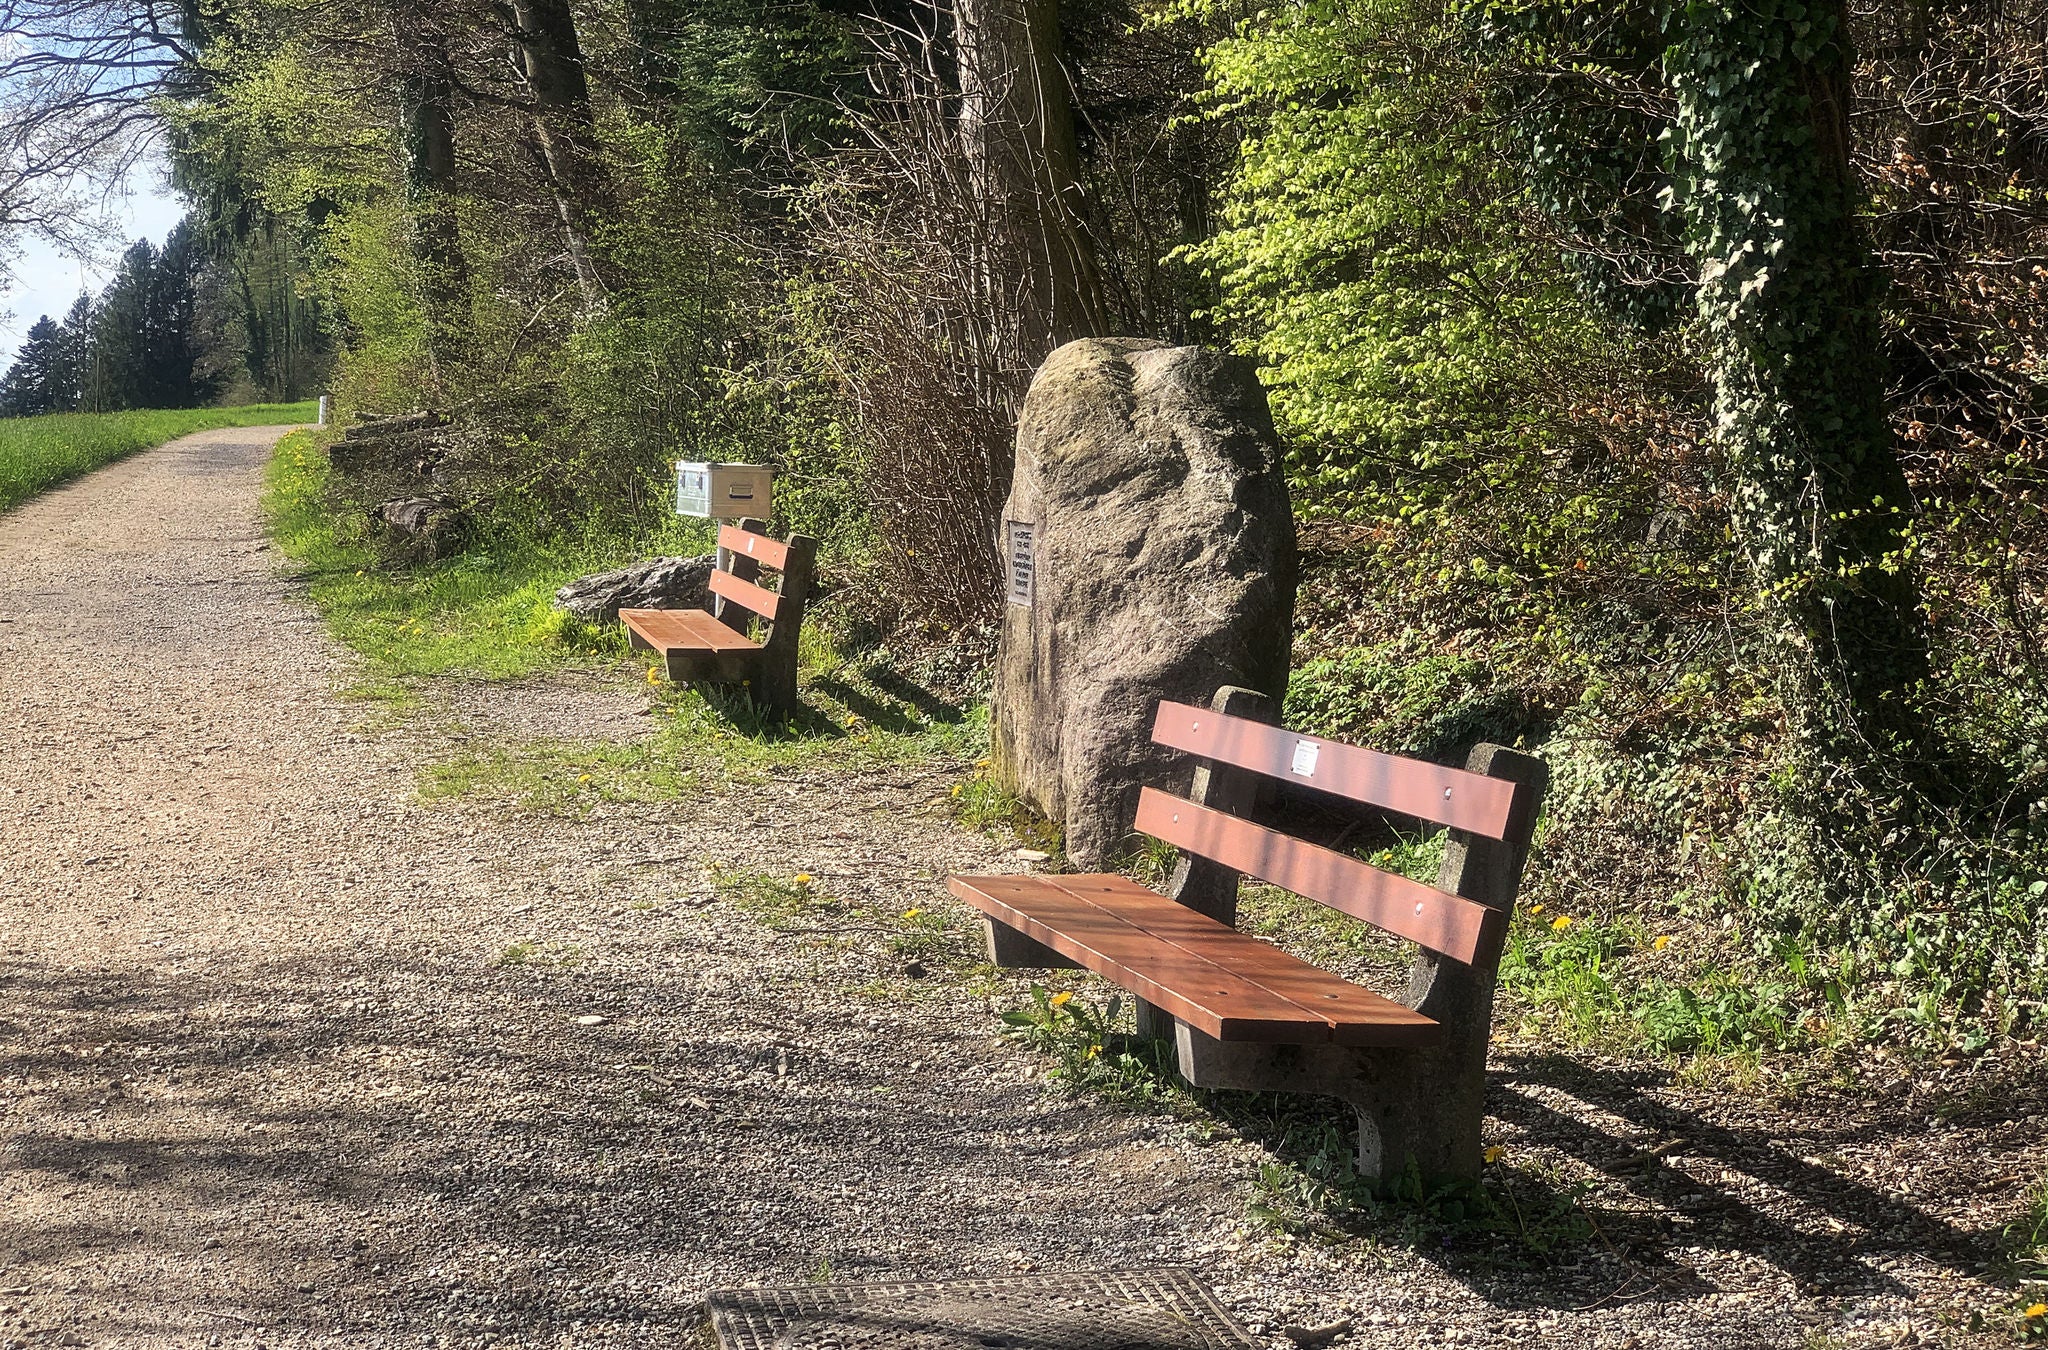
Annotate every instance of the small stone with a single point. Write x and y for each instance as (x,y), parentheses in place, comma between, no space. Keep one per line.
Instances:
(914,970)
(1030,855)
(1306,1336)
(591,1020)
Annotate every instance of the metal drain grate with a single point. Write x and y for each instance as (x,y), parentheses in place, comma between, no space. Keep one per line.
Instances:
(1116,1310)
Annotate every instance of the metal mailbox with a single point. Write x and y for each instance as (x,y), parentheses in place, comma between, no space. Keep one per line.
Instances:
(723,491)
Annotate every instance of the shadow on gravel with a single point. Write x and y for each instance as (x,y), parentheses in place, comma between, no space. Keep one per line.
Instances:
(391,1140)
(1612,1240)
(389,1143)
(1869,1224)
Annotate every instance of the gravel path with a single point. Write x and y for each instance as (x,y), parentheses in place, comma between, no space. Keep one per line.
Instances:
(268,1077)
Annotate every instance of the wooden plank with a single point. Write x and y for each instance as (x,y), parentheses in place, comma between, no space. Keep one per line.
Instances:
(1205,973)
(747,544)
(1192,988)
(1357,1015)
(666,630)
(1413,787)
(1453,925)
(765,603)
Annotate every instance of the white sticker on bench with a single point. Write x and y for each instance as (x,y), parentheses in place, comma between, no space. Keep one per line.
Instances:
(1305,753)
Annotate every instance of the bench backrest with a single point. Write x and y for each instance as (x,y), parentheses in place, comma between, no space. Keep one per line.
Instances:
(1473,805)
(743,550)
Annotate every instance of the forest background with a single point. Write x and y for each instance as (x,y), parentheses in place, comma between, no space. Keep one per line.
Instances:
(1660,380)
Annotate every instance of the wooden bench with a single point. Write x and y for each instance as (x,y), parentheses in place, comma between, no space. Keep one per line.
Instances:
(716,645)
(1245,1014)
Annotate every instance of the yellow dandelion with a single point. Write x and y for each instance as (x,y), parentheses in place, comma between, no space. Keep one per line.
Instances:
(912,913)
(956,789)
(1663,941)
(1535,909)
(1062,998)
(981,763)
(1560,923)
(802,879)
(583,778)
(654,674)
(1094,1050)
(2036,1310)
(1494,1153)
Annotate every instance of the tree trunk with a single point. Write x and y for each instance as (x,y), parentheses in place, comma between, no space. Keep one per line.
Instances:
(426,103)
(551,62)
(1017,125)
(1788,300)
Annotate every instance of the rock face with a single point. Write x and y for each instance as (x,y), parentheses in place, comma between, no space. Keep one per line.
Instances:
(658,583)
(1160,563)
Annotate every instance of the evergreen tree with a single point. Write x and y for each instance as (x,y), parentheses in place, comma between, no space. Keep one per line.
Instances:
(32,385)
(74,352)
(144,331)
(118,374)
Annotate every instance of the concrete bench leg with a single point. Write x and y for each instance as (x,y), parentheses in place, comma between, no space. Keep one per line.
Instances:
(1012,950)
(1404,1116)
(1154,1022)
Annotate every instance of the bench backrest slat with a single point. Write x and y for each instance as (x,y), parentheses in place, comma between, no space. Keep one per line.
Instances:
(1459,928)
(1453,797)
(762,549)
(762,601)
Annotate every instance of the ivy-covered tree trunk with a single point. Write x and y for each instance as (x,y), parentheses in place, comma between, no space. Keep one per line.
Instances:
(1788,300)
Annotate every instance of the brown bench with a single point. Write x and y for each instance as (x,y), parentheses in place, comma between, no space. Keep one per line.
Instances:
(1245,1014)
(716,645)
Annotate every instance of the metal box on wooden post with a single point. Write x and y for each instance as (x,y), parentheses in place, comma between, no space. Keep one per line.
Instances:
(723,491)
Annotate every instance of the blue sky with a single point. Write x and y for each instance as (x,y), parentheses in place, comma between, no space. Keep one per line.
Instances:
(46,281)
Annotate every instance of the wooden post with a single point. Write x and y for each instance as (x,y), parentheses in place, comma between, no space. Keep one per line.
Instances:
(1199,883)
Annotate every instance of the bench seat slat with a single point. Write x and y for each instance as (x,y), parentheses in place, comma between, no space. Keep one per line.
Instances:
(762,549)
(1413,787)
(1459,928)
(666,630)
(761,600)
(1357,1015)
(1228,985)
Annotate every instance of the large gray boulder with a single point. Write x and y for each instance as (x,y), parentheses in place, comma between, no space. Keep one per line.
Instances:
(658,583)
(1161,566)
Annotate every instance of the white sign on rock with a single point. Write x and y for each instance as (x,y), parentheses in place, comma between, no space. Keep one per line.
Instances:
(1019,552)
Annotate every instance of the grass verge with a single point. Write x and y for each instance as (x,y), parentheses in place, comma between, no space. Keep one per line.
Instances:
(39,453)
